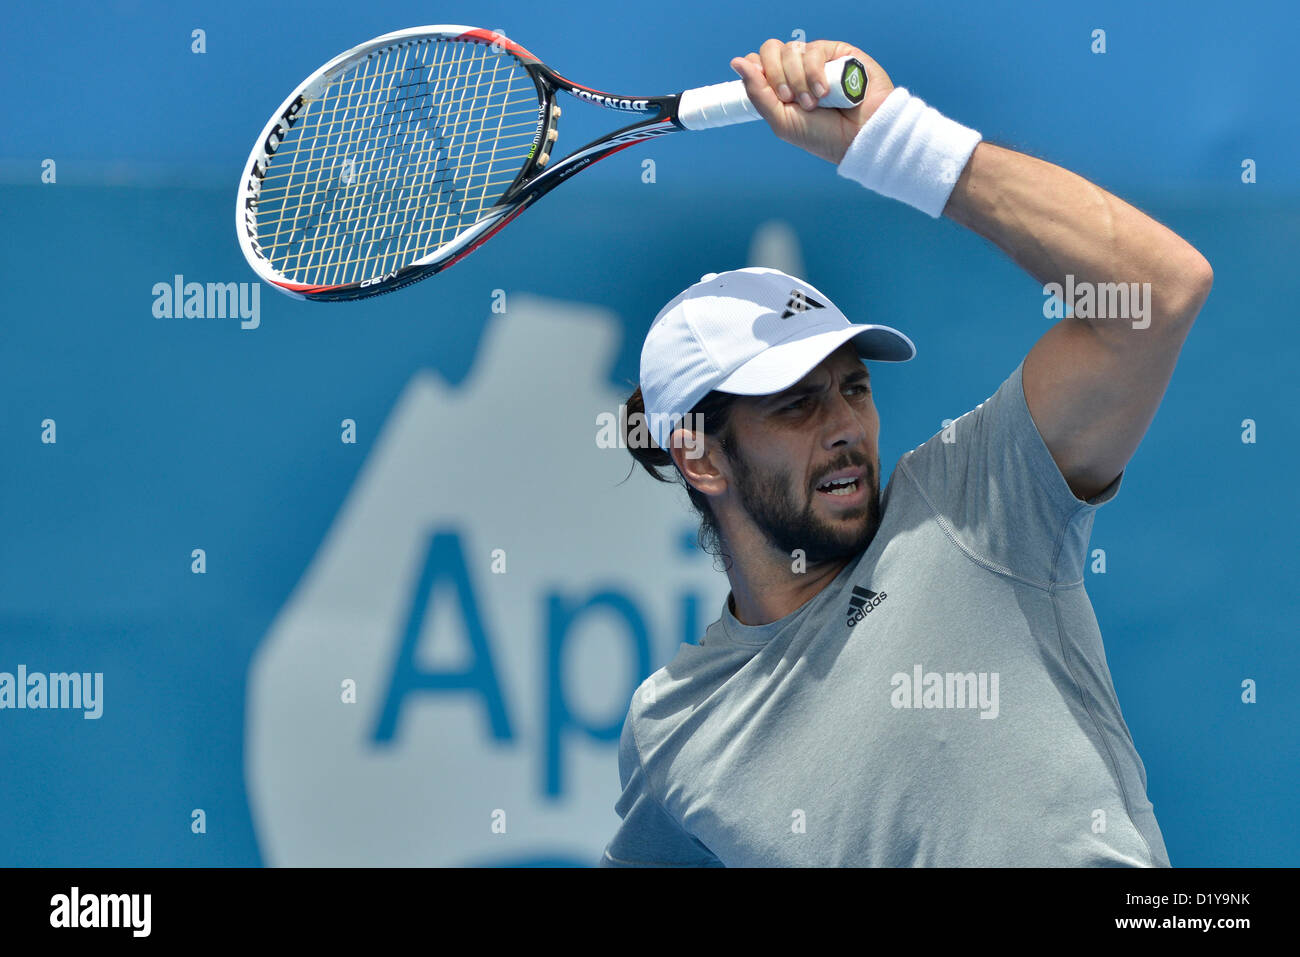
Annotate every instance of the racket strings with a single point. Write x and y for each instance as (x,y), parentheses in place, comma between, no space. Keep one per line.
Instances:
(316,241)
(340,245)
(396,157)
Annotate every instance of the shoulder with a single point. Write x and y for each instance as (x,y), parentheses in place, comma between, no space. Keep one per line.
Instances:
(670,696)
(1004,409)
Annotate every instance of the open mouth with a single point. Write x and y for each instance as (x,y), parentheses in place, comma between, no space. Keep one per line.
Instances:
(848,486)
(845,486)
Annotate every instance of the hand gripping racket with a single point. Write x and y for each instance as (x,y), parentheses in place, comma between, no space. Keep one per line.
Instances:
(398,158)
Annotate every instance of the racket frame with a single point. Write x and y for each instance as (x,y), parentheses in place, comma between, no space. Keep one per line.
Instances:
(538,176)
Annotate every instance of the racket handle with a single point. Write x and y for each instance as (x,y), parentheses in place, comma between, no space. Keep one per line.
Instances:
(723,104)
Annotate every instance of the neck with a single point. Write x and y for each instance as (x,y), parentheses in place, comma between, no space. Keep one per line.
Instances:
(767,590)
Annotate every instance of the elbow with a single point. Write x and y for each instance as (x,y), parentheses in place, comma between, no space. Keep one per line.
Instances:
(1195,279)
(1202,276)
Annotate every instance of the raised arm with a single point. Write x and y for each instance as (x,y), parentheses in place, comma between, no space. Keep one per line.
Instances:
(1094,380)
(1092,383)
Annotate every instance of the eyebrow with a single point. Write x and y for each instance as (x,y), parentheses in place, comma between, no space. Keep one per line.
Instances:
(797,391)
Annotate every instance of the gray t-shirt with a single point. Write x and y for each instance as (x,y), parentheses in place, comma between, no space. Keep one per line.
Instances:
(945,701)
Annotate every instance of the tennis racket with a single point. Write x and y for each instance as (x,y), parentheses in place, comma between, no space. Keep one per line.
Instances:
(401,156)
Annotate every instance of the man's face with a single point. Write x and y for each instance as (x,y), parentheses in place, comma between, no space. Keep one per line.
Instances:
(805,465)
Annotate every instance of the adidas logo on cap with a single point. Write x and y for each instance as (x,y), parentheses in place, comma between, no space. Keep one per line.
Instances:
(798,302)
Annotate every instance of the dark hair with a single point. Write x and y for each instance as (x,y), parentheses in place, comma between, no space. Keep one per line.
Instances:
(714,411)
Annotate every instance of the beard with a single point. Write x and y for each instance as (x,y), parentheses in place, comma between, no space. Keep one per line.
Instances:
(788,524)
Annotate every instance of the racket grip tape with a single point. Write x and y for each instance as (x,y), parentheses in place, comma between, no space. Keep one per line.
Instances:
(724,104)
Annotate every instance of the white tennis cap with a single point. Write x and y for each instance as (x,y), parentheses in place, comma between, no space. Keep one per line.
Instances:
(751,331)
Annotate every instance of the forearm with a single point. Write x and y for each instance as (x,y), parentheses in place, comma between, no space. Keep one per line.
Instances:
(1055,223)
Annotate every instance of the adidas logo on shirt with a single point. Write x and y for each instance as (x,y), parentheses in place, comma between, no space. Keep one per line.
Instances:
(800,302)
(862,603)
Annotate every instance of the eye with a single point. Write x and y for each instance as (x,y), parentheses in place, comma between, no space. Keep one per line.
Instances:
(796,405)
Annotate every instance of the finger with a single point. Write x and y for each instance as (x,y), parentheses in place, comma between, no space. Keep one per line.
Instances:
(814,64)
(770,56)
(754,59)
(757,88)
(792,65)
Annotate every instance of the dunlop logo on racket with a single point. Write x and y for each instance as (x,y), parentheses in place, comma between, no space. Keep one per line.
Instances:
(400,157)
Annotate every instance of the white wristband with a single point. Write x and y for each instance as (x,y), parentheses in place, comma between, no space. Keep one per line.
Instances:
(910,152)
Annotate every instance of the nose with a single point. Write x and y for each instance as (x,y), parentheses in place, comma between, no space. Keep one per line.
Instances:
(844,426)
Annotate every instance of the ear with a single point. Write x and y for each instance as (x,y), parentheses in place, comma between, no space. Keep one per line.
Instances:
(701,460)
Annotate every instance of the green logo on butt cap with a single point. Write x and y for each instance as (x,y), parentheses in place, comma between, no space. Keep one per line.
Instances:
(854,80)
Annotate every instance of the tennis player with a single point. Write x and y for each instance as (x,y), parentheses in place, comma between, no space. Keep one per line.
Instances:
(916,679)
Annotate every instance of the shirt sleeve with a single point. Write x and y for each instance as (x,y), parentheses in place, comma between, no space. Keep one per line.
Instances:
(998,493)
(649,836)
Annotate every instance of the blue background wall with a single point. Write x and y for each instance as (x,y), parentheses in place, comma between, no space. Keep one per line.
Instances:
(175,434)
